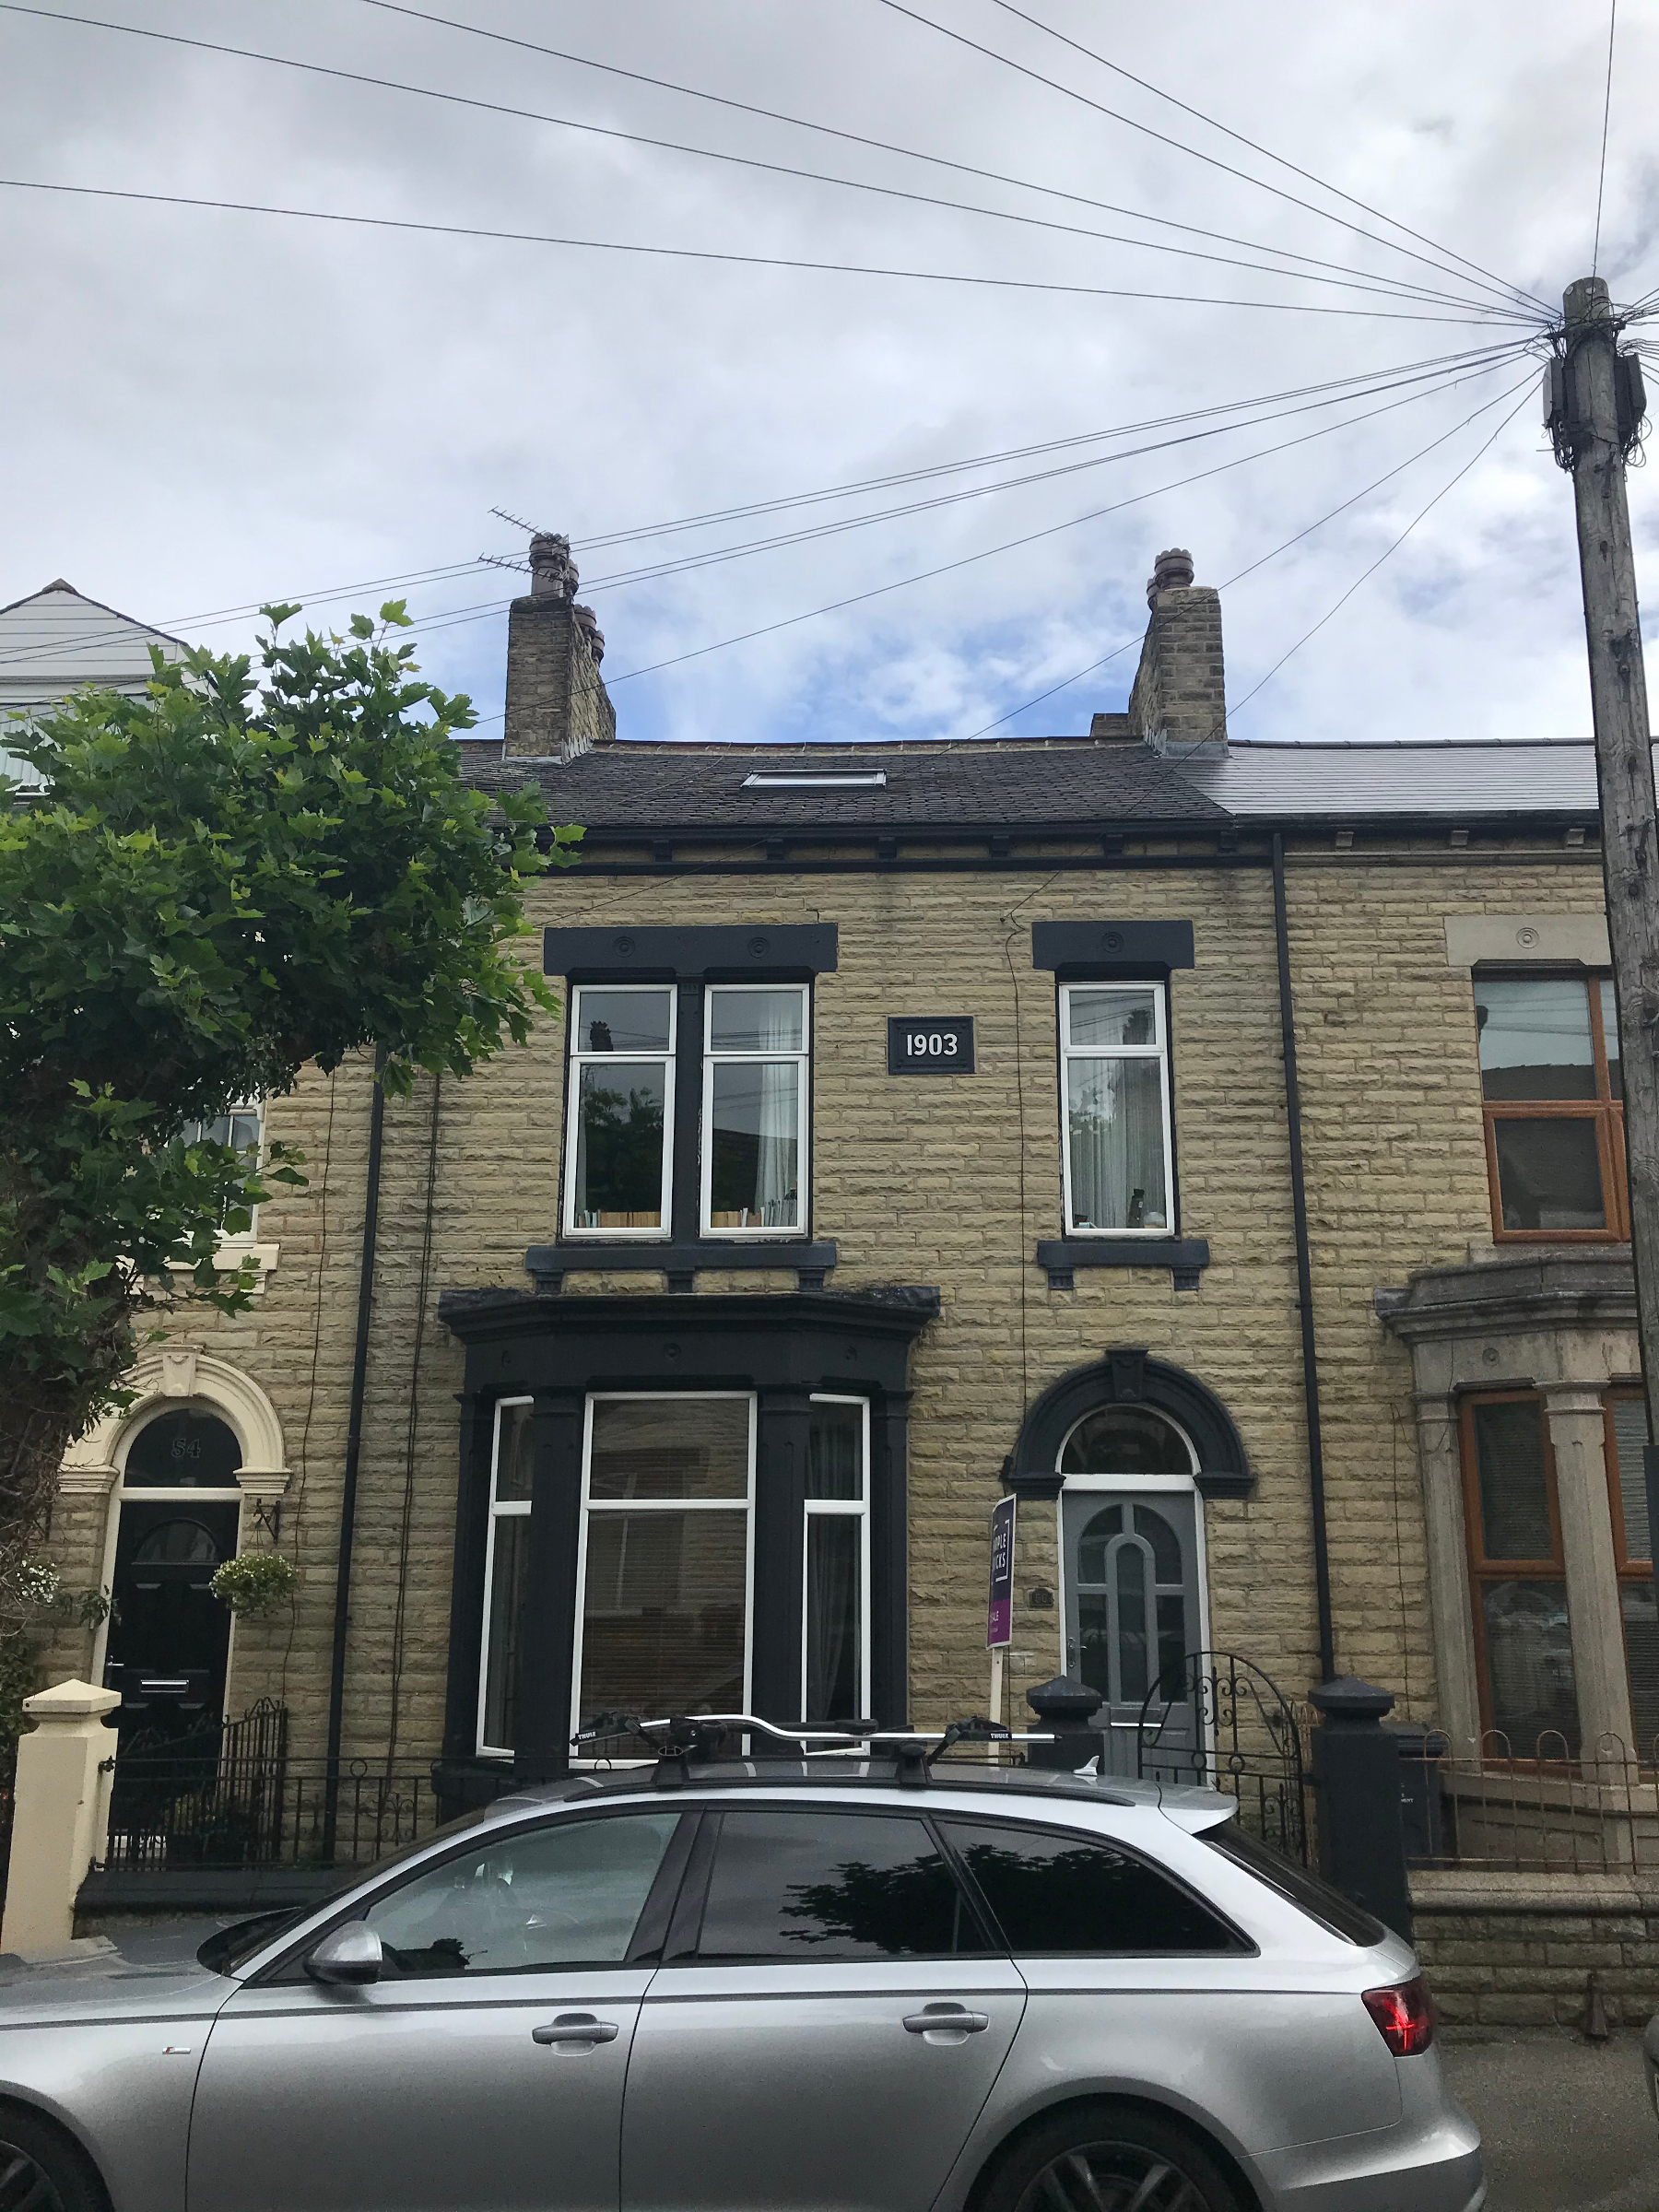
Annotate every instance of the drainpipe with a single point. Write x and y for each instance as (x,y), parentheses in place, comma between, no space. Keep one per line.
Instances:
(1304,1275)
(354,1446)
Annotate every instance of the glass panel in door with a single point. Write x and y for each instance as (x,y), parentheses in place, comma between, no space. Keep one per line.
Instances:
(1132,1614)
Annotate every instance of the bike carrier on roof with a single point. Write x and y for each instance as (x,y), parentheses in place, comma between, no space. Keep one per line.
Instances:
(700,1737)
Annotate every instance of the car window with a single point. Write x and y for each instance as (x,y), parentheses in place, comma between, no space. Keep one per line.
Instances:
(1073,1894)
(1308,1892)
(566,1895)
(830,1886)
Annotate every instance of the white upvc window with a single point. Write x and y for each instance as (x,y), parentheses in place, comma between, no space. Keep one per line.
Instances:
(835,1563)
(506,1575)
(665,1577)
(757,1062)
(241,1126)
(1114,1108)
(619,1111)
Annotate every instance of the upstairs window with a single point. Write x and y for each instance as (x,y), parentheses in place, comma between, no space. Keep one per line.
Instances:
(1553,1102)
(1114,1088)
(620,1136)
(754,1110)
(240,1127)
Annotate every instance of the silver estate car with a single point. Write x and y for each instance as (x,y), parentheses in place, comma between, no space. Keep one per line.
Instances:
(759,1986)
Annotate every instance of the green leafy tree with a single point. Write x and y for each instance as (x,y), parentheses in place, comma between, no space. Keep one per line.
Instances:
(220,883)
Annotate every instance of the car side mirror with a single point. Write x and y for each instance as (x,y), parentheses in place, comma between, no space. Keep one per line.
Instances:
(348,1955)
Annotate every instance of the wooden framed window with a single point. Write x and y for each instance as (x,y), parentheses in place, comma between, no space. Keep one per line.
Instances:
(1517,1579)
(1554,1106)
(1633,1550)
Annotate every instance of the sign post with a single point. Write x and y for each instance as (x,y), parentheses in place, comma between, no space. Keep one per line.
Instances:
(999,1611)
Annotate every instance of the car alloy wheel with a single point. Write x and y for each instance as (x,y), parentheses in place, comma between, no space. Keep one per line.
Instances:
(24,2186)
(1107,2177)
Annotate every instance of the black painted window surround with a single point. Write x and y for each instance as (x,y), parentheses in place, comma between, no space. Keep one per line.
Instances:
(688,962)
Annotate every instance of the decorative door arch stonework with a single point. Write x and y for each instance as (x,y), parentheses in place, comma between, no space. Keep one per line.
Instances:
(165,1380)
(1210,1464)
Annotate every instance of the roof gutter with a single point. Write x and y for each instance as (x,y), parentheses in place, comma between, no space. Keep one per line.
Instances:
(1304,1274)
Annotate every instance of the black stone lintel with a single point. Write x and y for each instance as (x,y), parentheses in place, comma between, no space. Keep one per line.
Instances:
(621,952)
(1112,950)
(548,1264)
(1186,1257)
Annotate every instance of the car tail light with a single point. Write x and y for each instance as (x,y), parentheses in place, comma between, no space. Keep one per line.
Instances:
(1405,2017)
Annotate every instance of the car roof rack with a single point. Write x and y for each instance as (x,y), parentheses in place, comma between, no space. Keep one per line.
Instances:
(699,1738)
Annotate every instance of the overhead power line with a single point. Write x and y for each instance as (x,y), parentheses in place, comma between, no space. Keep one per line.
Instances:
(1261,561)
(1267,154)
(1601,175)
(1388,551)
(743,106)
(1163,139)
(450,617)
(1375,378)
(1370,380)
(1384,286)
(754,261)
(1009,546)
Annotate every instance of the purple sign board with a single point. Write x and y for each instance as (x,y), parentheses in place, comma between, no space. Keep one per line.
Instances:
(999,1614)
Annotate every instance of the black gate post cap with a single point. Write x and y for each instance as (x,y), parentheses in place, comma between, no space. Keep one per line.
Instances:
(1349,1699)
(1064,1702)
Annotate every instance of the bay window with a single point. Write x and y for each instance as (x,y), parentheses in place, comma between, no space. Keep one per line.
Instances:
(662,1587)
(835,1601)
(1114,1085)
(1633,1552)
(620,1120)
(506,1574)
(1553,1106)
(1522,1640)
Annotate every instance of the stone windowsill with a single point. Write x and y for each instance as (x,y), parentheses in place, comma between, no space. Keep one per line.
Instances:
(1185,1257)
(678,1264)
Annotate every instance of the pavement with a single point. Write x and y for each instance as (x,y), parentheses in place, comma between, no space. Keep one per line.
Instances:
(1565,2124)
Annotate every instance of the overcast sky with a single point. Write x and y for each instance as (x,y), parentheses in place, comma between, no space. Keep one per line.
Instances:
(204,409)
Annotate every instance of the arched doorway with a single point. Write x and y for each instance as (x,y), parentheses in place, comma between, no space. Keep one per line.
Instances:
(1131,1555)
(177,1511)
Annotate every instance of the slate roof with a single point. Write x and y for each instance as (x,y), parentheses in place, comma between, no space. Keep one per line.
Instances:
(634,789)
(1020,783)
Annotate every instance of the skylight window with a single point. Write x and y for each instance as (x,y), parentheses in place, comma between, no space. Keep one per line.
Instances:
(831,779)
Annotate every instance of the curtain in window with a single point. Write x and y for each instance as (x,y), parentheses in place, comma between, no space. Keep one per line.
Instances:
(1116,1117)
(832,1608)
(776,1167)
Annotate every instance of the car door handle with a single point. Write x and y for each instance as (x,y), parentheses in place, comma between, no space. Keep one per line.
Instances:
(954,2020)
(574,2030)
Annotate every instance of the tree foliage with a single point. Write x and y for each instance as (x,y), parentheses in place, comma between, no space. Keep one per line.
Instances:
(218,883)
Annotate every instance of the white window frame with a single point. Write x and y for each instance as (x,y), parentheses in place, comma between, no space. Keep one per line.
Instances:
(713,1058)
(590,1506)
(576,1061)
(1158,1049)
(843,1509)
(499,1510)
(195,1132)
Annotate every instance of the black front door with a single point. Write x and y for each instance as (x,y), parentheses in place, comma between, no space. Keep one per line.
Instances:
(169,1635)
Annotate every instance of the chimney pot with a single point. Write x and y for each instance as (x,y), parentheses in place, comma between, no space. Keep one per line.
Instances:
(1171,572)
(553,574)
(587,621)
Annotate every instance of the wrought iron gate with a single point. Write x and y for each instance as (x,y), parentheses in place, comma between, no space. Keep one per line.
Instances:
(1219,1721)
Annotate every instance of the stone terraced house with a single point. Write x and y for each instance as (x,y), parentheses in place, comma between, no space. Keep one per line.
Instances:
(1214,1145)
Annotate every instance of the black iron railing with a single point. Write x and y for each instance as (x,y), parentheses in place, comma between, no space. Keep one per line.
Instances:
(233,1797)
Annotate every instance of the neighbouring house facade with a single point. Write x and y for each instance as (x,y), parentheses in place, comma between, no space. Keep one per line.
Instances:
(57,639)
(1216,1145)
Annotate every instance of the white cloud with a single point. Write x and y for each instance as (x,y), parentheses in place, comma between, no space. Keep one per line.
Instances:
(208,407)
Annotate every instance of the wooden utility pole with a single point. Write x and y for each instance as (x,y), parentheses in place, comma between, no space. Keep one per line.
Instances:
(1595,410)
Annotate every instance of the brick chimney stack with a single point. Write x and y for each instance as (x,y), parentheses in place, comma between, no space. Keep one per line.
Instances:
(556,703)
(1179,694)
